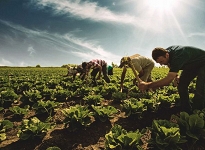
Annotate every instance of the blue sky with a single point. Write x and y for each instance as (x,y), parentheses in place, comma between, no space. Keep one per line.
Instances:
(58,32)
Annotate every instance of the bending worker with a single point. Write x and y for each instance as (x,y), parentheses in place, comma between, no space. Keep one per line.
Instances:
(189,59)
(141,64)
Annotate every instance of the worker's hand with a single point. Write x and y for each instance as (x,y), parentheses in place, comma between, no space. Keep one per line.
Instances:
(176,81)
(143,86)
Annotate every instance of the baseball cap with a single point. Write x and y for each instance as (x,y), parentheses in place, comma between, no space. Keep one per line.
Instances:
(124,61)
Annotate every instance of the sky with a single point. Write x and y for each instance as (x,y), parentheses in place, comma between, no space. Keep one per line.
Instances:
(52,33)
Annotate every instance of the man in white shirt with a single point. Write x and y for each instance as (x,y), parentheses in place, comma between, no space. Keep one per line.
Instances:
(141,64)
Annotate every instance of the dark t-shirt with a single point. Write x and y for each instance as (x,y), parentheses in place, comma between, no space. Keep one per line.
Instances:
(80,69)
(185,57)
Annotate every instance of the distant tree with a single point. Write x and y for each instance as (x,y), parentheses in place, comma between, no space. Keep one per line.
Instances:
(65,66)
(38,66)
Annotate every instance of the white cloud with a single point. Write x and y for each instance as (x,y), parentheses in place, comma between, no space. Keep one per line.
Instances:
(88,10)
(31,50)
(5,62)
(23,64)
(89,56)
(89,46)
(66,43)
(201,34)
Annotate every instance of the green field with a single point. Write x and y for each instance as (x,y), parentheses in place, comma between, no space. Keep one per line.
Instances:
(40,108)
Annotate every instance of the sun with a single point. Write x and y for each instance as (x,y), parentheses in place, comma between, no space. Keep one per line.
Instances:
(161,5)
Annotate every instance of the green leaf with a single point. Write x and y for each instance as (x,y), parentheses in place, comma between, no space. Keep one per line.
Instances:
(196,122)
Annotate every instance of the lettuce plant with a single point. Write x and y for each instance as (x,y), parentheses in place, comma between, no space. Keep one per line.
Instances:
(77,117)
(192,126)
(133,107)
(47,93)
(52,83)
(18,111)
(83,91)
(24,86)
(31,128)
(7,97)
(45,107)
(107,91)
(103,113)
(152,104)
(118,96)
(120,139)
(61,94)
(4,125)
(166,135)
(31,96)
(93,99)
(53,148)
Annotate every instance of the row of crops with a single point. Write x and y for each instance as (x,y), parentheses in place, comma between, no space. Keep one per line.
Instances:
(26,93)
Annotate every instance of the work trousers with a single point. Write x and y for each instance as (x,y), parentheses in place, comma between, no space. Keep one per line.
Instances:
(147,73)
(199,96)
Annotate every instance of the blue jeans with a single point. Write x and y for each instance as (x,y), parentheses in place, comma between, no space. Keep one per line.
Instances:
(199,96)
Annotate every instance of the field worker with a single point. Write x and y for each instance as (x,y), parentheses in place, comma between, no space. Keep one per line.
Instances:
(191,61)
(141,64)
(98,66)
(110,70)
(74,71)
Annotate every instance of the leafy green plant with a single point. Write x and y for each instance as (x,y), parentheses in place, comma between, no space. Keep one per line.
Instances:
(61,94)
(77,117)
(136,93)
(83,91)
(165,100)
(4,125)
(53,148)
(166,135)
(24,86)
(33,128)
(31,96)
(93,99)
(47,93)
(201,113)
(45,107)
(52,83)
(107,91)
(1,108)
(119,139)
(152,104)
(118,96)
(133,107)
(18,111)
(103,113)
(192,126)
(7,97)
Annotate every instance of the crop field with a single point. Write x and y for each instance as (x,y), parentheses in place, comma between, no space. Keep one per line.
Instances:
(41,109)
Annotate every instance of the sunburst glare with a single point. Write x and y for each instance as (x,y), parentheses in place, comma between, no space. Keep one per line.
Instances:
(161,5)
